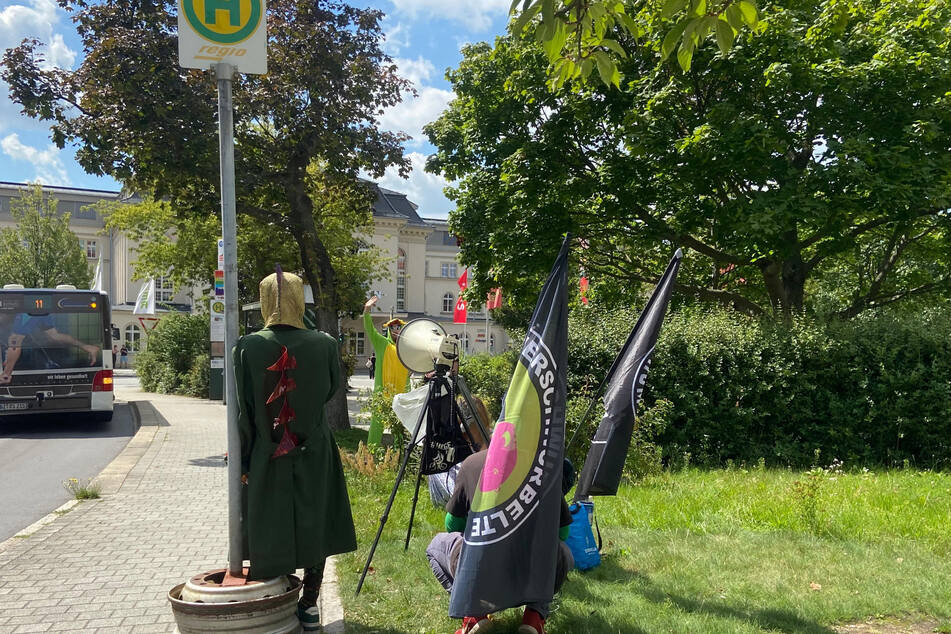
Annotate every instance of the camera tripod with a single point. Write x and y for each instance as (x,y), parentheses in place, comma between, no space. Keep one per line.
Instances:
(441,381)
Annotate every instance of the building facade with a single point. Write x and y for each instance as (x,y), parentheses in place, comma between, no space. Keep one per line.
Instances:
(117,253)
(421,280)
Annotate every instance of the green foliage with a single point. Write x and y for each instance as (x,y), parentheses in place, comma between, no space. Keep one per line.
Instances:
(152,126)
(379,406)
(645,457)
(172,362)
(83,490)
(580,35)
(807,170)
(872,391)
(196,382)
(41,251)
(488,377)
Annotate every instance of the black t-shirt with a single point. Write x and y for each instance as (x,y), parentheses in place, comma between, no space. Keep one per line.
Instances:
(468,479)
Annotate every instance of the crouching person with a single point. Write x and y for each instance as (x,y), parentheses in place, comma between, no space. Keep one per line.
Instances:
(444,550)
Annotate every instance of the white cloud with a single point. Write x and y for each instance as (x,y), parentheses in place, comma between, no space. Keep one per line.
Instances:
(395,38)
(477,15)
(38,19)
(58,55)
(413,113)
(47,163)
(421,187)
(416,70)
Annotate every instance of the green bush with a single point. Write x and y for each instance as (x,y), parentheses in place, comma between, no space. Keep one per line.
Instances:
(875,390)
(170,363)
(197,380)
(871,391)
(488,377)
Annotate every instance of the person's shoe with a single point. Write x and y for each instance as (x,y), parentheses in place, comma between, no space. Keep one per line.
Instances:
(309,617)
(473,624)
(532,623)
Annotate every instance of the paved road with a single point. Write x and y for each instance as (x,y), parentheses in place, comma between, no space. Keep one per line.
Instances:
(38,453)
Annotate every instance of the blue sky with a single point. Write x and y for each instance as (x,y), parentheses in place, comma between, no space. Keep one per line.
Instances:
(423,36)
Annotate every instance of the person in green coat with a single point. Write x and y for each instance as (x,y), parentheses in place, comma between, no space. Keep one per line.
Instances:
(297,510)
(392,377)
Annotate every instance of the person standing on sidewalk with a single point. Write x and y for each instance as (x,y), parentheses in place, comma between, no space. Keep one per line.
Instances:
(298,510)
(392,376)
(371,365)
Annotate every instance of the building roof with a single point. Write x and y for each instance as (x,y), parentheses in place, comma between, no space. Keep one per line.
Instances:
(388,204)
(59,188)
(393,204)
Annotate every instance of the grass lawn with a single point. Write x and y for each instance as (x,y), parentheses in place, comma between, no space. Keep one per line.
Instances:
(699,551)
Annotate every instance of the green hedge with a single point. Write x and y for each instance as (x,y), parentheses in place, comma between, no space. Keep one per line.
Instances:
(872,391)
(176,360)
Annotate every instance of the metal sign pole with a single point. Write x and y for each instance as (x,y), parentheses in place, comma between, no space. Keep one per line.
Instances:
(224,73)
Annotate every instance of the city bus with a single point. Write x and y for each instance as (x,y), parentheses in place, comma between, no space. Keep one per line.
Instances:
(55,352)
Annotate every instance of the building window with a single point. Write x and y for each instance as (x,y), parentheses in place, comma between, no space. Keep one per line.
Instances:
(356,343)
(164,289)
(401,280)
(448,269)
(448,303)
(90,248)
(132,338)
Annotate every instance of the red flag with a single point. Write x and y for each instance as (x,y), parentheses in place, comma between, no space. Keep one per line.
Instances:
(461,313)
(583,285)
(464,280)
(494,299)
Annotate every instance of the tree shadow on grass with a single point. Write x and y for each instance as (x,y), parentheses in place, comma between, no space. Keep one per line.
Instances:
(349,439)
(766,618)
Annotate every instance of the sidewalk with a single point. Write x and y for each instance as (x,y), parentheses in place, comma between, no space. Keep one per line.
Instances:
(106,565)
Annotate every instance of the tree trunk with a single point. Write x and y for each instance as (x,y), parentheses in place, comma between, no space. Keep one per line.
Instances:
(322,278)
(786,283)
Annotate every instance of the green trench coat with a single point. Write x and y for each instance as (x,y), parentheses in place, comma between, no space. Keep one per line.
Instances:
(296,511)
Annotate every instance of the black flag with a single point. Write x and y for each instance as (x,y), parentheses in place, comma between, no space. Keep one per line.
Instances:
(604,463)
(511,536)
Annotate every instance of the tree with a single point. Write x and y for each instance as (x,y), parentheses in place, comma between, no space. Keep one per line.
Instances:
(180,247)
(581,35)
(139,118)
(41,251)
(817,148)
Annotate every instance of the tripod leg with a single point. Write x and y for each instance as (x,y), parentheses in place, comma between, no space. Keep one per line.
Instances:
(412,512)
(396,486)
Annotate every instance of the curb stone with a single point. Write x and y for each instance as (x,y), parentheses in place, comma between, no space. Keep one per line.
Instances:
(331,607)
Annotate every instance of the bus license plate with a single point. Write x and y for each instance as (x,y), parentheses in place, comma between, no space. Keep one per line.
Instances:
(8,406)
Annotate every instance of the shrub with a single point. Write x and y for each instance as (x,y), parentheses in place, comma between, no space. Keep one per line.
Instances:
(875,390)
(174,347)
(488,377)
(196,382)
(872,391)
(379,406)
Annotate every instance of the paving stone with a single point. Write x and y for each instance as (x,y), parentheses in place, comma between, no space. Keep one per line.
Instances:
(114,560)
(33,627)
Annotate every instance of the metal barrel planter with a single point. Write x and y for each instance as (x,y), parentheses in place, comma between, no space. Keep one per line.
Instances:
(202,604)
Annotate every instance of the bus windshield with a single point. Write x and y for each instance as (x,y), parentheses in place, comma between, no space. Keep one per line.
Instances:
(49,331)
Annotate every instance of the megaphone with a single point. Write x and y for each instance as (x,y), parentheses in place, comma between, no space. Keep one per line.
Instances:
(423,346)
